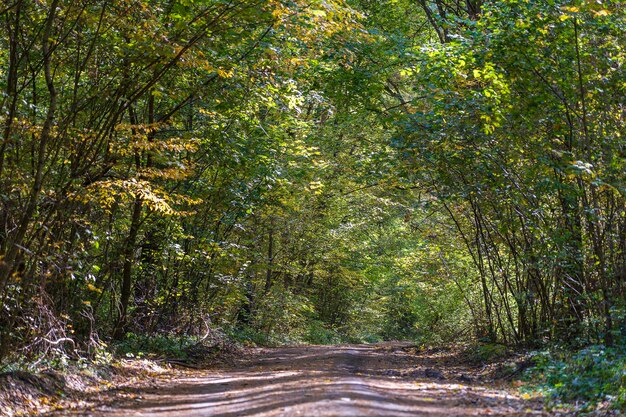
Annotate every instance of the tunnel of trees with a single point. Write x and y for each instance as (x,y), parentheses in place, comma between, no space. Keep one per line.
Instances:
(312,171)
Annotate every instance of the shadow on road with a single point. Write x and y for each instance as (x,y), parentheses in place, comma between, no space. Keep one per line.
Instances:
(350,380)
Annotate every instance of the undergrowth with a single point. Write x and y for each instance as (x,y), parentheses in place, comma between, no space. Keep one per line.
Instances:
(139,346)
(584,381)
(312,332)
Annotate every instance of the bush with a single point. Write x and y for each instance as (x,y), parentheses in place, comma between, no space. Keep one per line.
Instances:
(320,334)
(281,317)
(250,336)
(594,375)
(135,345)
(487,352)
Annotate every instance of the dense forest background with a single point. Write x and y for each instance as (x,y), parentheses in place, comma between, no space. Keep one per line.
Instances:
(311,171)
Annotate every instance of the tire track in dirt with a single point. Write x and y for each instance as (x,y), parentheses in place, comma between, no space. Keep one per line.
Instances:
(324,381)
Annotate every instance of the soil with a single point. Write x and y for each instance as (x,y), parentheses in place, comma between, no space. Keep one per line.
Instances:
(324,381)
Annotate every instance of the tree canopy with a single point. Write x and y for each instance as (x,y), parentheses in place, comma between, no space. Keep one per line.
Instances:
(321,171)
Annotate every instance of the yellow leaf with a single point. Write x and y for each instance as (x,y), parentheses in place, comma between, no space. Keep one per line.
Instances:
(93,288)
(224,74)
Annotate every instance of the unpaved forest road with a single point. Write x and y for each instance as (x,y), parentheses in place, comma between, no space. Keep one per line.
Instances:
(324,381)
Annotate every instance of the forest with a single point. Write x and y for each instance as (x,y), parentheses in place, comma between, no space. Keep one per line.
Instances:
(316,172)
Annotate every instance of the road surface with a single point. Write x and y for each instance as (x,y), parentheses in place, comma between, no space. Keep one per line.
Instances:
(323,381)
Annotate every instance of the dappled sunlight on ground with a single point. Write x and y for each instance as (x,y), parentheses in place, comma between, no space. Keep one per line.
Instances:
(361,380)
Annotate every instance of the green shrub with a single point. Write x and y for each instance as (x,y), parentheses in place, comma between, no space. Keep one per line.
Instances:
(487,352)
(249,335)
(590,376)
(282,317)
(135,345)
(320,334)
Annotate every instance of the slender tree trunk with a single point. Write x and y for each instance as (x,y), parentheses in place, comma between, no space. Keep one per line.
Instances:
(13,245)
(270,258)
(129,260)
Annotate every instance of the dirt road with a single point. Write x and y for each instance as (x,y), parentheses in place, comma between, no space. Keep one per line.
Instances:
(325,381)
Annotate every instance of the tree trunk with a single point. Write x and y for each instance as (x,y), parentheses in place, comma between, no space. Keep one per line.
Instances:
(129,260)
